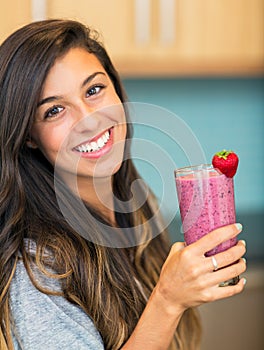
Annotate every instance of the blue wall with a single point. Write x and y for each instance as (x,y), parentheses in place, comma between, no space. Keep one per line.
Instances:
(222,113)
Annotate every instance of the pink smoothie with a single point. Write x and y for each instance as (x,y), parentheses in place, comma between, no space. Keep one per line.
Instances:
(204,210)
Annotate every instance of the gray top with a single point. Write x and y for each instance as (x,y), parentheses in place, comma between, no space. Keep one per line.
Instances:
(44,322)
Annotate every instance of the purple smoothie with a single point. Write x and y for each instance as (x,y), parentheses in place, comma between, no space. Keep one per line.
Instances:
(206,202)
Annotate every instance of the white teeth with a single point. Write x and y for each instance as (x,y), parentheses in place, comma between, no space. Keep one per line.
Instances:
(94,145)
(100,142)
(86,148)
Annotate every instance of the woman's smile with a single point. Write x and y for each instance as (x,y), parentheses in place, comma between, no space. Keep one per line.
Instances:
(97,146)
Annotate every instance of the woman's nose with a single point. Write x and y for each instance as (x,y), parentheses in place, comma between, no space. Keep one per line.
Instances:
(86,118)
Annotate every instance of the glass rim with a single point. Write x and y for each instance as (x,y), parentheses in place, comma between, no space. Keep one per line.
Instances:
(191,168)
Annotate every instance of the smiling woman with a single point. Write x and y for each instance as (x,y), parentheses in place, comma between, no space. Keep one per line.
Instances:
(63,120)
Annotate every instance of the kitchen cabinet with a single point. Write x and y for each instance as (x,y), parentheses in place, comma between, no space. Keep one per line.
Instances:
(13,14)
(175,37)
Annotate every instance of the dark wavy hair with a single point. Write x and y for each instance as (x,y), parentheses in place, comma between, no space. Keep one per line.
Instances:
(102,280)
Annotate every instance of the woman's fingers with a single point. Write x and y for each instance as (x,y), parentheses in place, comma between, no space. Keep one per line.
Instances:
(189,278)
(227,257)
(229,272)
(214,238)
(217,292)
(228,291)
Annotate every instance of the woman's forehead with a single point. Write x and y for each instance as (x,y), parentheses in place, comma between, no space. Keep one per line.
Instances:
(76,66)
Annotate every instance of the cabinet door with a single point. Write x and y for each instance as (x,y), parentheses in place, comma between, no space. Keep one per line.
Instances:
(112,19)
(173,37)
(13,14)
(225,35)
(203,37)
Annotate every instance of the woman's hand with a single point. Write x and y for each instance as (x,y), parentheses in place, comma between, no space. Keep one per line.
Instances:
(188,278)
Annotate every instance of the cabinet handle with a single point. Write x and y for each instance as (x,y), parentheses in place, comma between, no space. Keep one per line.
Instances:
(38,10)
(142,21)
(167,18)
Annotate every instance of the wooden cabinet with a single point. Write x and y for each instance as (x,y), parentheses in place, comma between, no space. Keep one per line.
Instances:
(175,37)
(13,14)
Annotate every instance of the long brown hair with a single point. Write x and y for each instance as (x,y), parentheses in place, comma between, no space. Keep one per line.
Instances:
(110,284)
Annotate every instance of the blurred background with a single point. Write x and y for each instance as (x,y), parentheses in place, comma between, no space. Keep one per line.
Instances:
(202,60)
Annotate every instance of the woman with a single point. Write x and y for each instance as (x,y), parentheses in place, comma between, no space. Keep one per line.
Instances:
(63,285)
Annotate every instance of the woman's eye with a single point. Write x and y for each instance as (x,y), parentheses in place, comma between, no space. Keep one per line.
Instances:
(53,111)
(94,90)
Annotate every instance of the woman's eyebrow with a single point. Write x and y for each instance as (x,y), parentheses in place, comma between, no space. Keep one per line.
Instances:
(48,99)
(90,77)
(56,98)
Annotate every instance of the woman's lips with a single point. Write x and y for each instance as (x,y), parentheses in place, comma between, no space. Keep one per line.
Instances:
(97,146)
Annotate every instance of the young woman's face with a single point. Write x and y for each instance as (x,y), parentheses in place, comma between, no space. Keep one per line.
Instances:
(80,124)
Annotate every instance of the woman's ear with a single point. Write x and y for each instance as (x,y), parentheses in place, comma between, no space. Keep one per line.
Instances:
(31,144)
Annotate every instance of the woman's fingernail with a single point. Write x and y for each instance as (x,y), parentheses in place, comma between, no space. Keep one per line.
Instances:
(244,281)
(239,227)
(245,260)
(243,242)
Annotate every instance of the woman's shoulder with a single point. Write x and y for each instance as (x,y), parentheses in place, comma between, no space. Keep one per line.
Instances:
(42,321)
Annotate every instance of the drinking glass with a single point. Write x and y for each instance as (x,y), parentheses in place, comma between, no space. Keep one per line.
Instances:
(206,201)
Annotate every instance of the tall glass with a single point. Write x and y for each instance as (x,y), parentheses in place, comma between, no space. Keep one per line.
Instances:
(206,201)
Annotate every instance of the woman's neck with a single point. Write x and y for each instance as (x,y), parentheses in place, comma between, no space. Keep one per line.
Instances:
(99,195)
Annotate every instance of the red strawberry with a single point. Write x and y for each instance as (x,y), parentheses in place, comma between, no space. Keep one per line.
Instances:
(226,162)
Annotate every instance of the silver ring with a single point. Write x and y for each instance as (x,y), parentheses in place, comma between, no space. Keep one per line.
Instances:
(214,263)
